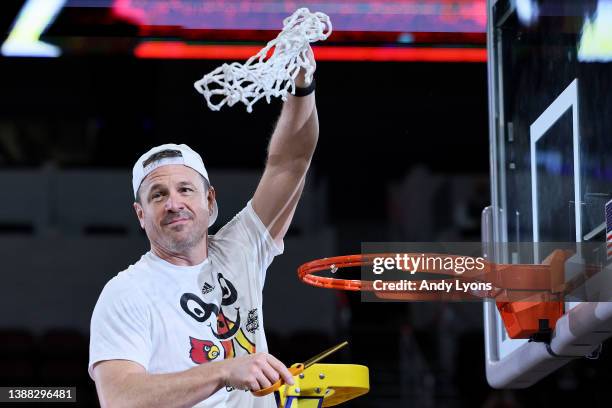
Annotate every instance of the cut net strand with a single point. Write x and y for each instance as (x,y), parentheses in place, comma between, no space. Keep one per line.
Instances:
(262,76)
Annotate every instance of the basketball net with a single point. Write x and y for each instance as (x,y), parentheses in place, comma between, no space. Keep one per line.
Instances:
(268,76)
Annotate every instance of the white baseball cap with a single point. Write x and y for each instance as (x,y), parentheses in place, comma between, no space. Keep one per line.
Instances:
(187,158)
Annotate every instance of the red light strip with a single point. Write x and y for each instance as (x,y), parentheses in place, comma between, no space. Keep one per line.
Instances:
(180,50)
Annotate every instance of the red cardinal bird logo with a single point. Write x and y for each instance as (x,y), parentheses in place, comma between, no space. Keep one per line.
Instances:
(202,351)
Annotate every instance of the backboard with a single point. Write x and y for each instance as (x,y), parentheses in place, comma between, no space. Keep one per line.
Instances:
(550,113)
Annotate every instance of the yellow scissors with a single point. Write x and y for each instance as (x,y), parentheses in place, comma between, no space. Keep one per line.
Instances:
(298,368)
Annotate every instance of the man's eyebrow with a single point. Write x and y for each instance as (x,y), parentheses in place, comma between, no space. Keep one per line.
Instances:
(183,183)
(155,186)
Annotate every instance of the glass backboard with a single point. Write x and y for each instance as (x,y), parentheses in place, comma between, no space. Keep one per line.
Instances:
(550,100)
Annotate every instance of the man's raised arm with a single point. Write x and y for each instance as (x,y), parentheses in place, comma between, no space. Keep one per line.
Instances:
(289,154)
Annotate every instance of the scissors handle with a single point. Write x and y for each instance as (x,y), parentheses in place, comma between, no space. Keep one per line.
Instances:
(294,370)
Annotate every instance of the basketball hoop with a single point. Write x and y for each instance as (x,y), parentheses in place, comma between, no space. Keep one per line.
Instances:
(546,277)
(525,294)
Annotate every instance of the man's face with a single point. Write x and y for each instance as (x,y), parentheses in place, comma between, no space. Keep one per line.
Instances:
(174,208)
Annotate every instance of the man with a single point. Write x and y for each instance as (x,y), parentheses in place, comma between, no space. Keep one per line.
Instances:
(184,326)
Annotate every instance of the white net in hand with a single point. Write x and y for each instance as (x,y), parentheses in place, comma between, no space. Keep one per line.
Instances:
(273,76)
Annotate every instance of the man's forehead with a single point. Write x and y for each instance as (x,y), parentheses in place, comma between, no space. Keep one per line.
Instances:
(171,173)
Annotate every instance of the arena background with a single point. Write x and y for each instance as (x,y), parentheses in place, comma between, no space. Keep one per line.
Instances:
(403,156)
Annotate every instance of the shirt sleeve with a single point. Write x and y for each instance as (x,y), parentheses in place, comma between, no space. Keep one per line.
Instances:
(247,229)
(120,325)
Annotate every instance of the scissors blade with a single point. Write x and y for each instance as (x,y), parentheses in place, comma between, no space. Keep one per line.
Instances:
(324,354)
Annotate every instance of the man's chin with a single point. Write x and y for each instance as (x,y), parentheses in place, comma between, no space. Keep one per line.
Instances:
(182,236)
(180,244)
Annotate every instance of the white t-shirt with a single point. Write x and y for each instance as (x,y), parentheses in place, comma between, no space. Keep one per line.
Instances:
(170,318)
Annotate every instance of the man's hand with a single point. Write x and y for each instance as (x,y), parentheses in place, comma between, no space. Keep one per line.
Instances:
(255,372)
(300,80)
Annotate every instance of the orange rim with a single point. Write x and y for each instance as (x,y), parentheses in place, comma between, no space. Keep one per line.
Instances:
(306,273)
(505,278)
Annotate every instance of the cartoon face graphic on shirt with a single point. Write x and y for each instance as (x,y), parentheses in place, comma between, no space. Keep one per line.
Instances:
(227,329)
(202,351)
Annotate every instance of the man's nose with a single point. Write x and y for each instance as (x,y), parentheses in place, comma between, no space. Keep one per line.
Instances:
(174,202)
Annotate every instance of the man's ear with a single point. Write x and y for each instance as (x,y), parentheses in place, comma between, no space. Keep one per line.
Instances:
(212,194)
(139,214)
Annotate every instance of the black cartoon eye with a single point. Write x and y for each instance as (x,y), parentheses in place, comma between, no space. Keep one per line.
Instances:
(228,291)
(197,308)
(206,348)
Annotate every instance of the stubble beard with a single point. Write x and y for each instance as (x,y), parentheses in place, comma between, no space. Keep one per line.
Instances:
(183,244)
